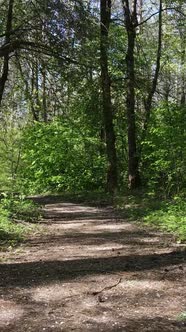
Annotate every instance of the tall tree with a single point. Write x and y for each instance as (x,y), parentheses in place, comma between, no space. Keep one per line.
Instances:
(7,39)
(132,10)
(105,10)
(153,84)
(130,15)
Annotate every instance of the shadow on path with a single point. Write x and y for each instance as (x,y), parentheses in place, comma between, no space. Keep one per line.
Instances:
(36,273)
(48,285)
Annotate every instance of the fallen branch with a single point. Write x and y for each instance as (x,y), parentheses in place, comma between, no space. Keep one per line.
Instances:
(106,288)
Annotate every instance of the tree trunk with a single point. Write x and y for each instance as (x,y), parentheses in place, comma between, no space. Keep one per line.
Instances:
(44,101)
(133,162)
(148,102)
(5,67)
(105,7)
(28,94)
(183,90)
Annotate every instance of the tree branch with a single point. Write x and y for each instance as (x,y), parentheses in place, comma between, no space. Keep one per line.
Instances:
(162,10)
(152,15)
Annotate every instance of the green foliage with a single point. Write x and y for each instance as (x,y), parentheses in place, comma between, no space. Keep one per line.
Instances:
(164,150)
(10,149)
(170,217)
(10,232)
(69,154)
(13,210)
(19,208)
(58,156)
(166,215)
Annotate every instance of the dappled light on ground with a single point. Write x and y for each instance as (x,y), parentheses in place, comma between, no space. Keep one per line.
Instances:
(90,270)
(10,312)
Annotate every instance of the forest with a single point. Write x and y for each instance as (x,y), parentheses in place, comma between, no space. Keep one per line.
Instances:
(92,99)
(92,165)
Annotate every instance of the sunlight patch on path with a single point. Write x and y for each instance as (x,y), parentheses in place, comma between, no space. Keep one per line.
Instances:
(91,271)
(9,312)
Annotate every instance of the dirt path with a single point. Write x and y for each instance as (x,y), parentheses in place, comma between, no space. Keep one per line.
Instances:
(92,271)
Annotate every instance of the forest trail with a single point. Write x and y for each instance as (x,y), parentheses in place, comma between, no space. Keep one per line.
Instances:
(90,271)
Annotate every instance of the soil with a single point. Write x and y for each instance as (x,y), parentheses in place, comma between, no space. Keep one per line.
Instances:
(91,270)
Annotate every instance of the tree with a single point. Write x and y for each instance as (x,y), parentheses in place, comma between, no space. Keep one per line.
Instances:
(130,15)
(131,24)
(52,54)
(6,48)
(105,10)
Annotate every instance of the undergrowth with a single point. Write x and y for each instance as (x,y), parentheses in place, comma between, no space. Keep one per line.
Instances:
(19,208)
(170,217)
(10,232)
(16,213)
(167,215)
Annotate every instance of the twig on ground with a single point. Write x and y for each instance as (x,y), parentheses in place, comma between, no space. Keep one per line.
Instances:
(106,288)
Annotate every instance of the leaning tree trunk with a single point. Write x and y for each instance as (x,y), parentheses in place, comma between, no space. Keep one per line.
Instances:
(105,7)
(5,66)
(133,161)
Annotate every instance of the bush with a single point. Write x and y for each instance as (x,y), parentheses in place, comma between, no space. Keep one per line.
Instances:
(164,151)
(57,157)
(165,215)
(10,232)
(19,208)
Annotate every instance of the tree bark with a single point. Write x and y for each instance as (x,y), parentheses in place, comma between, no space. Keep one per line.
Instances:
(130,16)
(28,93)
(44,94)
(105,8)
(183,90)
(148,102)
(5,67)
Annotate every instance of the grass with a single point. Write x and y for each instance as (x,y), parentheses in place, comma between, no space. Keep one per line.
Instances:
(15,217)
(10,233)
(170,217)
(167,215)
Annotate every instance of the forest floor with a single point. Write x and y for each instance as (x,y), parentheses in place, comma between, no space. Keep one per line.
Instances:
(88,269)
